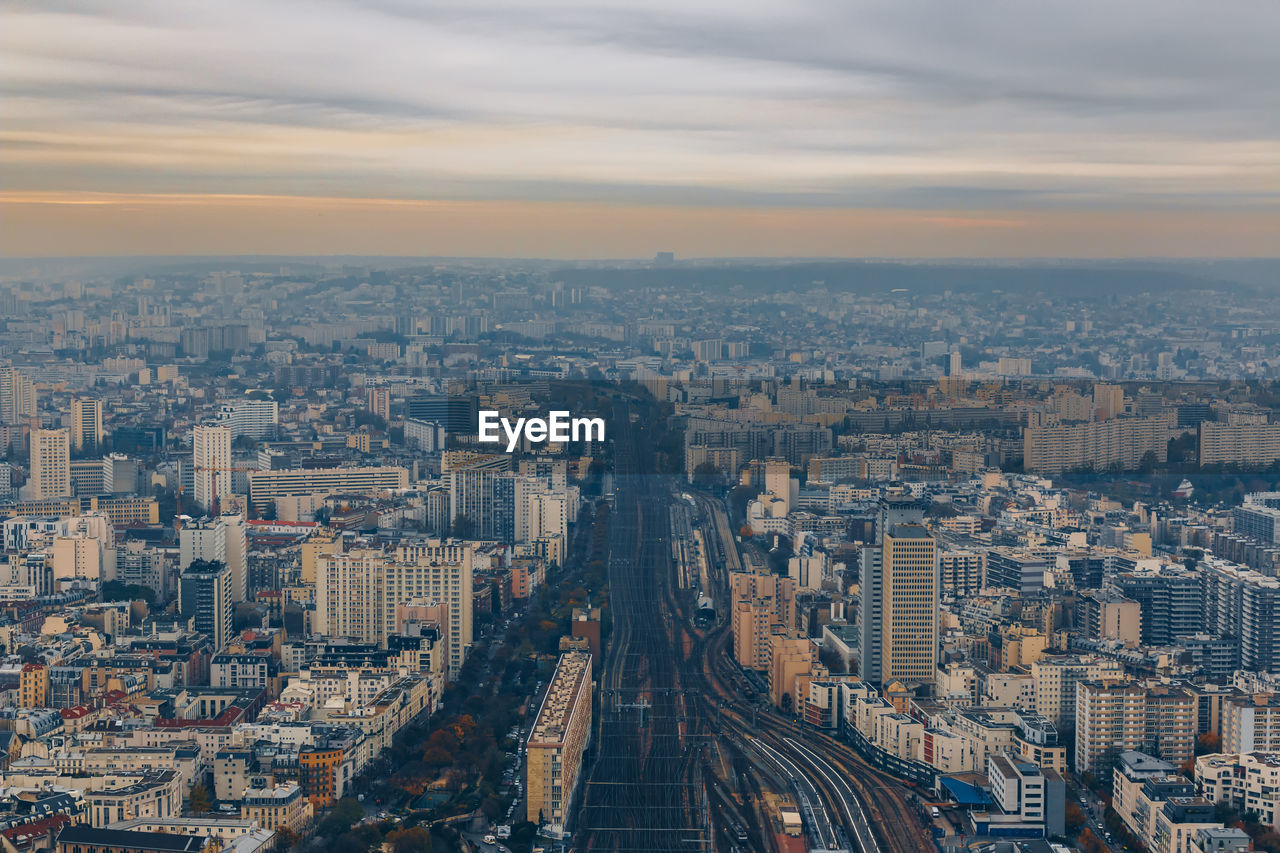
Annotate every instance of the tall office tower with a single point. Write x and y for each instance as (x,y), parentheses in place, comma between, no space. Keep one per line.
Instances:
(50,464)
(86,425)
(558,740)
(211,461)
(909,619)
(954,363)
(205,594)
(893,510)
(357,591)
(378,401)
(17,396)
(222,540)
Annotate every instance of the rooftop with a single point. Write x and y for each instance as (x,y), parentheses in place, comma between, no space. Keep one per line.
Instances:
(562,695)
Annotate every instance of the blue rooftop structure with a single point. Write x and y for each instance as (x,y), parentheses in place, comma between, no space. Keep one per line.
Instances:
(964,793)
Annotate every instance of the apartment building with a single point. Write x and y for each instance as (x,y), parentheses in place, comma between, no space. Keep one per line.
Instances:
(1246,445)
(1120,442)
(557,741)
(1251,723)
(1117,715)
(266,486)
(762,604)
(1055,684)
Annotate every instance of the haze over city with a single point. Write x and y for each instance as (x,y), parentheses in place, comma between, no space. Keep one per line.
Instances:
(604,426)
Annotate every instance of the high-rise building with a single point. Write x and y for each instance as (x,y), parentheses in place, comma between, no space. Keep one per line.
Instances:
(1123,442)
(1055,680)
(1251,723)
(211,461)
(1017,570)
(472,496)
(762,604)
(1244,605)
(557,741)
(1171,602)
(249,417)
(50,464)
(1108,401)
(86,425)
(1249,445)
(17,396)
(909,620)
(960,572)
(1113,716)
(893,510)
(222,539)
(204,594)
(457,413)
(378,401)
(777,482)
(357,591)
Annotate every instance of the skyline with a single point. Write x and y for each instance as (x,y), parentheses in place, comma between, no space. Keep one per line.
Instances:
(764,128)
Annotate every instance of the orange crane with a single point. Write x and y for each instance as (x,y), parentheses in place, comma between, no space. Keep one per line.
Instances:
(197,468)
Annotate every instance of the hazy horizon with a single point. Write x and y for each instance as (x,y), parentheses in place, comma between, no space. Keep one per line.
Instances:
(581,130)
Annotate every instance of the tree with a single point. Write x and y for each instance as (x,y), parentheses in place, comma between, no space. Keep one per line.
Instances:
(415,839)
(201,801)
(346,812)
(1208,743)
(461,528)
(1074,817)
(118,591)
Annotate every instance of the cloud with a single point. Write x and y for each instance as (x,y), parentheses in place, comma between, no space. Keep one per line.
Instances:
(1089,105)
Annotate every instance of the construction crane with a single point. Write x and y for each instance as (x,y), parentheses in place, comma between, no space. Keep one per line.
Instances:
(198,468)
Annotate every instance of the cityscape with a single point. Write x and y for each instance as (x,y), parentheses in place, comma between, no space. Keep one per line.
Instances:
(570,427)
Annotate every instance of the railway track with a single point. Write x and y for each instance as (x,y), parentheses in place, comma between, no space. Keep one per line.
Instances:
(645,791)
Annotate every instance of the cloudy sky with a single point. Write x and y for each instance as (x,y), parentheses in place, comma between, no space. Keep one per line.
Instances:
(752,127)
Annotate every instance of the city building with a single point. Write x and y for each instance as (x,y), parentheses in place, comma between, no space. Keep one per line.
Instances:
(358,592)
(86,425)
(205,595)
(266,486)
(559,736)
(211,464)
(1245,445)
(50,464)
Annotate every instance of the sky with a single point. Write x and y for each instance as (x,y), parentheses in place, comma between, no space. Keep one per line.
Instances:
(616,129)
